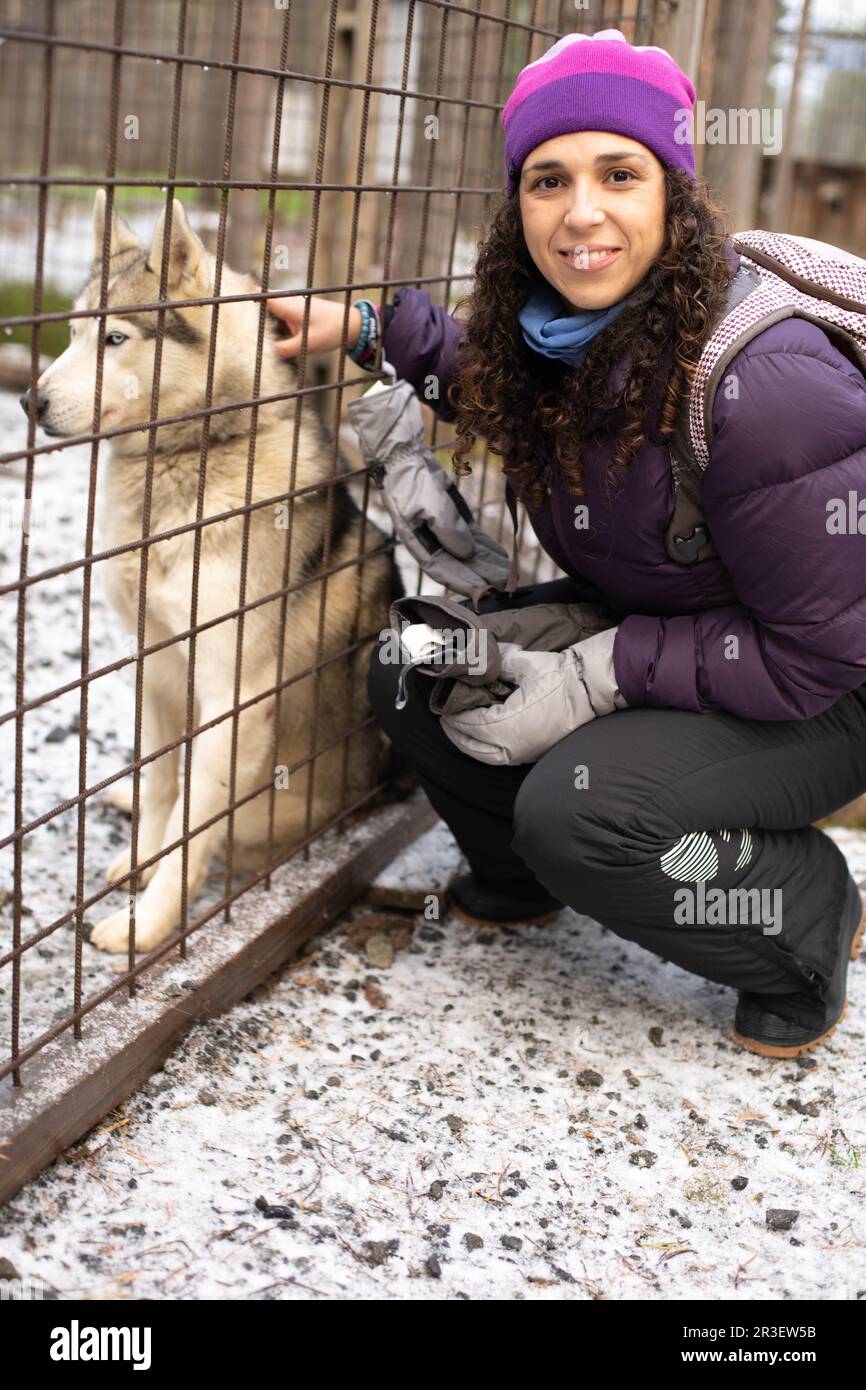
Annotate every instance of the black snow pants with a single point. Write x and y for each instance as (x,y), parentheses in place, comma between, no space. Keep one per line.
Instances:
(635,818)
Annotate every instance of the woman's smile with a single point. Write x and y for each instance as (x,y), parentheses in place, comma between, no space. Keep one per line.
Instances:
(585,259)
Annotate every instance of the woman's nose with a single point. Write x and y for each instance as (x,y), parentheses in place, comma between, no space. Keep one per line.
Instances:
(583,211)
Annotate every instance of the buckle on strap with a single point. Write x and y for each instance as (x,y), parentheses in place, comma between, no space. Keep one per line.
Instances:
(689,546)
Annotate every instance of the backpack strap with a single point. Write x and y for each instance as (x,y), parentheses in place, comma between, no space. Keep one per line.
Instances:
(687,537)
(779,277)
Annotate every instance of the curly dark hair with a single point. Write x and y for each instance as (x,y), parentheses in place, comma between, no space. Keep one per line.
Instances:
(513,396)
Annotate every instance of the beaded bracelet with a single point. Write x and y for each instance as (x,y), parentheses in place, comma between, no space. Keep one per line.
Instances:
(368,326)
(365,347)
(363,354)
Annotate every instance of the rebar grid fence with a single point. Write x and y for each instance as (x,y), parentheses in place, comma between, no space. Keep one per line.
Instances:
(332,151)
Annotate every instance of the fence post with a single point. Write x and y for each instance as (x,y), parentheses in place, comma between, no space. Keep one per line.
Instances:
(783,192)
(341,167)
(253,134)
(739,83)
(679,28)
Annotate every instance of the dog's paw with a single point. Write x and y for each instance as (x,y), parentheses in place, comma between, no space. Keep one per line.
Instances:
(112,933)
(120,865)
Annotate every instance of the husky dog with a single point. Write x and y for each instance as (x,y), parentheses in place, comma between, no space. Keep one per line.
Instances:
(356,597)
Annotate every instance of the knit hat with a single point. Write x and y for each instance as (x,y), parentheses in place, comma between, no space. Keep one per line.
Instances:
(601,82)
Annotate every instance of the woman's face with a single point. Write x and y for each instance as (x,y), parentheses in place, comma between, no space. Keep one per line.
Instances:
(596,189)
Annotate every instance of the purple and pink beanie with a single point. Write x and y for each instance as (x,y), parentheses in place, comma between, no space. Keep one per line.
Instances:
(600,82)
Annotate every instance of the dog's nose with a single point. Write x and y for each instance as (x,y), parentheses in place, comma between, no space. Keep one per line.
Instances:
(41,403)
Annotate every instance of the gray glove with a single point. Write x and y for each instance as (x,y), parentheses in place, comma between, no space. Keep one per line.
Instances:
(556,692)
(430,516)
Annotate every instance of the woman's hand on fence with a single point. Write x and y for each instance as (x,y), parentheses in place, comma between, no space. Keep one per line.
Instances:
(325,328)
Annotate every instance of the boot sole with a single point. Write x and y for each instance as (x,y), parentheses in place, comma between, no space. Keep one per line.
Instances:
(496,922)
(768,1050)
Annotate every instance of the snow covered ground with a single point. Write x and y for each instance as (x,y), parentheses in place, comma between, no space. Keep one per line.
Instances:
(416,1108)
(419,1109)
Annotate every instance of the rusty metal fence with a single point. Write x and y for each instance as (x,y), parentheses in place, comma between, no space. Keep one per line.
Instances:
(332,150)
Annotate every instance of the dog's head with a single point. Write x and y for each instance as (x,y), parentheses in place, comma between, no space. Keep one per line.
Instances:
(66,389)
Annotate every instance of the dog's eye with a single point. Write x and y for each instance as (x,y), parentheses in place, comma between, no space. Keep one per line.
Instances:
(115,339)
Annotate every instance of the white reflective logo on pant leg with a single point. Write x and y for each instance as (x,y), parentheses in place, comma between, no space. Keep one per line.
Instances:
(745,854)
(694,858)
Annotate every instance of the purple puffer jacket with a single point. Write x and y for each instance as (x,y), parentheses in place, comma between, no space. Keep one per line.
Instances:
(790,591)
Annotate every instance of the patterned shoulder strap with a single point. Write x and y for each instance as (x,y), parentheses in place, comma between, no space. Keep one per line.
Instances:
(799,278)
(780,276)
(687,538)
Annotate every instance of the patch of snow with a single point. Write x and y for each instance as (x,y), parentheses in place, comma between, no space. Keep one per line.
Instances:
(543,1112)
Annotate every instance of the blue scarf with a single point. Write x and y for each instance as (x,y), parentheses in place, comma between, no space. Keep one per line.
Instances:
(547,330)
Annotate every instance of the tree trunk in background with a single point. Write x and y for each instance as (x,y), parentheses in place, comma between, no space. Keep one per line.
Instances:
(679,29)
(425,219)
(780,216)
(251,145)
(743,42)
(706,73)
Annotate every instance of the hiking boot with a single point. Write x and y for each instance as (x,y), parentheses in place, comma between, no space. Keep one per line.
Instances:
(760,1030)
(481,906)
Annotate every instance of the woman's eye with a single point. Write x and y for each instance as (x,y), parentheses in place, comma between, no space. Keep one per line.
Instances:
(115,339)
(629,177)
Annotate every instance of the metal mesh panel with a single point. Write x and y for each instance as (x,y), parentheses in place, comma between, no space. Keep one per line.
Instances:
(193,567)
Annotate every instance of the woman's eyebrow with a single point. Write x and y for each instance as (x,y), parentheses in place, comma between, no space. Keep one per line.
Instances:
(599,159)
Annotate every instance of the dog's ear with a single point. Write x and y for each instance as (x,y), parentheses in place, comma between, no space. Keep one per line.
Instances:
(123,238)
(186,258)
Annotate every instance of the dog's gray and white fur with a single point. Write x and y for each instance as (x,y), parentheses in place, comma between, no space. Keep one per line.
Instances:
(357,597)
